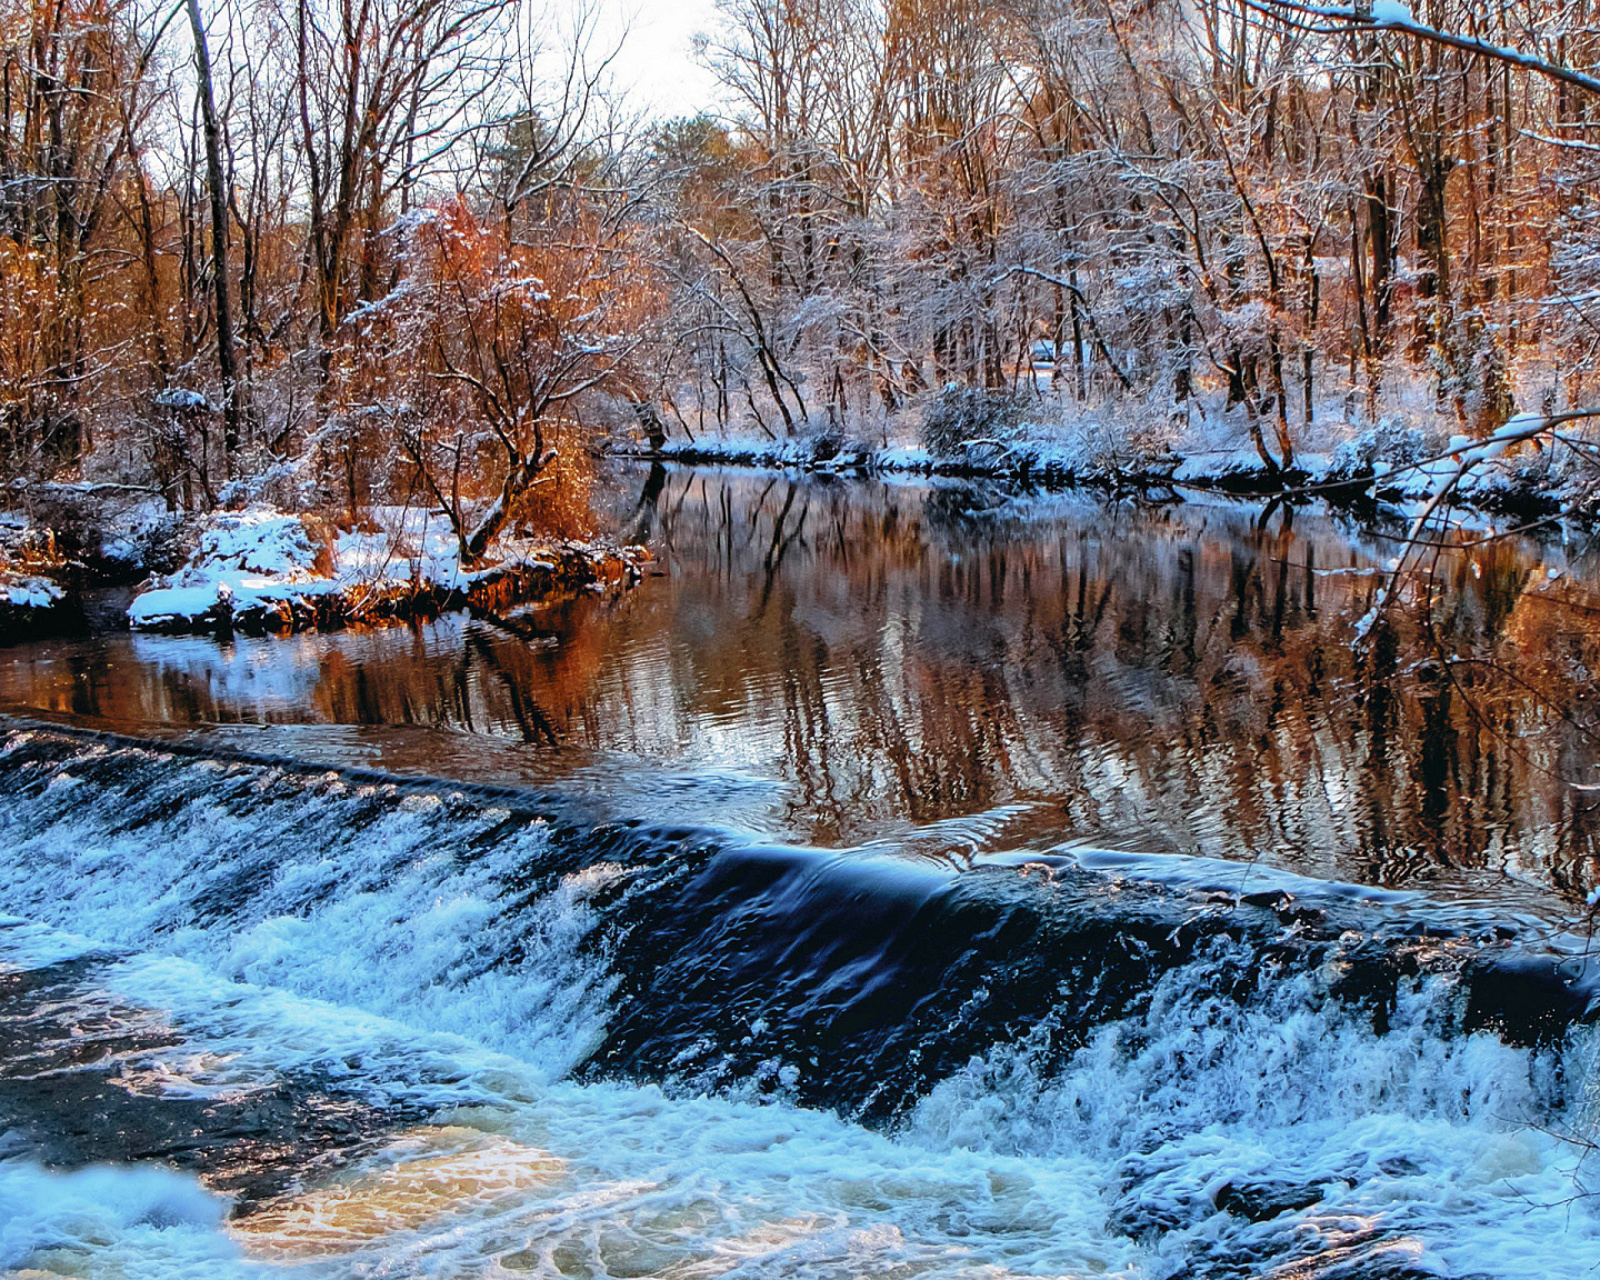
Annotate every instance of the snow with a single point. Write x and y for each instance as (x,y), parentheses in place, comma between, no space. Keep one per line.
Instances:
(1391,11)
(1392,15)
(27,557)
(30,592)
(180,398)
(1029,448)
(1087,450)
(903,458)
(256,557)
(260,541)
(1209,466)
(1406,455)
(381,555)
(744,450)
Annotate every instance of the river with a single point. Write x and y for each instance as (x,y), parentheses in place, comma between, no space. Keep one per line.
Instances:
(903,880)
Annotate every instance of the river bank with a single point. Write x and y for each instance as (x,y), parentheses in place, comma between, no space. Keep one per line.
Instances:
(1365,471)
(262,570)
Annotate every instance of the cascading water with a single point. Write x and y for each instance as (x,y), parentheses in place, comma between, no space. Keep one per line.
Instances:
(418,1029)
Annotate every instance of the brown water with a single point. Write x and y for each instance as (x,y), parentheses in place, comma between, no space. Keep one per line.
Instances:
(959,672)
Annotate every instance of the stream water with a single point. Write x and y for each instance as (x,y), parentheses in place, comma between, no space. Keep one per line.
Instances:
(901,881)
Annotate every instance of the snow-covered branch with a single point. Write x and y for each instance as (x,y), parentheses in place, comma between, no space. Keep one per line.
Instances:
(1395,16)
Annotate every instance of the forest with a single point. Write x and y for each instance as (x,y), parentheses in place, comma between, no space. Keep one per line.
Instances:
(338,253)
(974,657)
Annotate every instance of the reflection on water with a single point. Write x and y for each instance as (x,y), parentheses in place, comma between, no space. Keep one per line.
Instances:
(846,662)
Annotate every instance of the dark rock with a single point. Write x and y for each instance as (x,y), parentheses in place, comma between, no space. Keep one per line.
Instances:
(1259,1201)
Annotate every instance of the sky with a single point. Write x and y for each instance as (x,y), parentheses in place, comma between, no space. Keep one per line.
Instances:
(657,66)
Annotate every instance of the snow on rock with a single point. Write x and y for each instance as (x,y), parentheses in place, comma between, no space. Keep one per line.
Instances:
(30,605)
(180,398)
(29,594)
(26,591)
(246,559)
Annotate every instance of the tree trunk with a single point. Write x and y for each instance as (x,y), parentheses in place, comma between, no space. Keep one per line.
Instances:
(231,391)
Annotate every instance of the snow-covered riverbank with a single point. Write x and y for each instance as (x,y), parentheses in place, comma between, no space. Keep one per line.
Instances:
(267,570)
(1369,466)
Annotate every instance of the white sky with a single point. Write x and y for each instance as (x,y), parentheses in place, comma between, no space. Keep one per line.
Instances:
(657,66)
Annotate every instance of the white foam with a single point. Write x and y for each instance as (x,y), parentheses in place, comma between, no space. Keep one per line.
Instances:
(398,925)
(608,1178)
(1436,1144)
(128,1223)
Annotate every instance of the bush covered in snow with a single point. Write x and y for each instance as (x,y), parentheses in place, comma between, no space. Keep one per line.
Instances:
(959,416)
(259,541)
(1393,441)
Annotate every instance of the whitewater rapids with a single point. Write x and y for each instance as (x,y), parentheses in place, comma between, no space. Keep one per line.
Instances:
(261,1019)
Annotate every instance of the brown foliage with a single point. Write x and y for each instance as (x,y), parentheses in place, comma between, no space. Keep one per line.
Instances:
(506,324)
